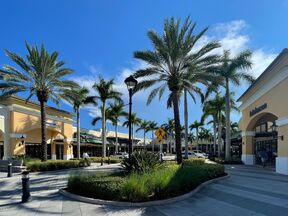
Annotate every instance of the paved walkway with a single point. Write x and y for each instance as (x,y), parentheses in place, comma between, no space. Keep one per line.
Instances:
(249,191)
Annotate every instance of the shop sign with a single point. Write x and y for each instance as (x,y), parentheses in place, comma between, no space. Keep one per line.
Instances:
(258,109)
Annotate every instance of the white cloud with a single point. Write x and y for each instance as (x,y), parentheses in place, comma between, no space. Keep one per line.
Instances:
(233,36)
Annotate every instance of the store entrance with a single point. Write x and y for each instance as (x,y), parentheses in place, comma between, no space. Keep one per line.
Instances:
(270,146)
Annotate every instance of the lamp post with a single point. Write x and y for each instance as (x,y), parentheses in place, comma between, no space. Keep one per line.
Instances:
(131,82)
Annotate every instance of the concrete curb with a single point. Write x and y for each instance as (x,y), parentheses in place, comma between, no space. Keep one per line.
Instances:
(140,204)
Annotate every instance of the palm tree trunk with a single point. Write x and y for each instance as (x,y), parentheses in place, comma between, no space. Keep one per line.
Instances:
(116,134)
(153,141)
(186,123)
(43,131)
(78,131)
(103,131)
(215,135)
(177,126)
(144,138)
(228,141)
(197,139)
(219,136)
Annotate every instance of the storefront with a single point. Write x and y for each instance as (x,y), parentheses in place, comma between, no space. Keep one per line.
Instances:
(20,130)
(264,121)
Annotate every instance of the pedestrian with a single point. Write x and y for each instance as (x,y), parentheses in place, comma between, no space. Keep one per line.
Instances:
(85,155)
(264,157)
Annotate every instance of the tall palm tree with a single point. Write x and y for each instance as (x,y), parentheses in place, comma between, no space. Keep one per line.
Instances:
(105,92)
(116,110)
(144,125)
(169,128)
(152,127)
(78,97)
(135,121)
(40,74)
(215,107)
(196,125)
(170,63)
(232,70)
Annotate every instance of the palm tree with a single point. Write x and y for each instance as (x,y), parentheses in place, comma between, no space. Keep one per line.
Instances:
(216,108)
(152,127)
(169,128)
(170,63)
(78,97)
(232,70)
(116,110)
(144,125)
(105,92)
(196,125)
(135,121)
(40,74)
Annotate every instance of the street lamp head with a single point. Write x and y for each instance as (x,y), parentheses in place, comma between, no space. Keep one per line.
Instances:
(131,82)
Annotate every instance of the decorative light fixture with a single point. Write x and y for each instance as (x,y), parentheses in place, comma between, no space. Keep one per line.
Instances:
(22,140)
(131,83)
(274,130)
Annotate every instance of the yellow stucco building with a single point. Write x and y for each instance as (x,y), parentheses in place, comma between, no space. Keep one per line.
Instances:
(20,130)
(264,121)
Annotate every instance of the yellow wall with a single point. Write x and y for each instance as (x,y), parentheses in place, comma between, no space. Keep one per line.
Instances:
(25,119)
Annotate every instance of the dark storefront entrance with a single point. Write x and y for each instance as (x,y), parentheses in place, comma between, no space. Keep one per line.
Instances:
(33,150)
(270,146)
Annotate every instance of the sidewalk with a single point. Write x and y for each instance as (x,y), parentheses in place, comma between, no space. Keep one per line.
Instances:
(249,191)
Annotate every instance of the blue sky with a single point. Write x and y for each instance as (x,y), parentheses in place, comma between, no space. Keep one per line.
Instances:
(99,37)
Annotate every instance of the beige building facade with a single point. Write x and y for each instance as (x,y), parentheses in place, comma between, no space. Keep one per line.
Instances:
(264,121)
(20,130)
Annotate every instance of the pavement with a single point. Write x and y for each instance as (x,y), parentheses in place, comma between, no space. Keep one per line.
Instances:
(250,190)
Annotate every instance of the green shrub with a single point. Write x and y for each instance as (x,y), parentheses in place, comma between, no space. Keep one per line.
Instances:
(35,166)
(141,162)
(112,159)
(194,161)
(96,185)
(164,182)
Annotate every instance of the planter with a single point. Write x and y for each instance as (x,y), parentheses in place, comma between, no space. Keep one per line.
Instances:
(139,204)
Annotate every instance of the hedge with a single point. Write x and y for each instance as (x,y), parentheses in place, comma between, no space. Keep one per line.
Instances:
(35,166)
(105,159)
(165,182)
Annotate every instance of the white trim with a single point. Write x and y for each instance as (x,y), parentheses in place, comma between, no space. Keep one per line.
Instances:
(17,135)
(67,157)
(37,113)
(282,121)
(53,157)
(248,159)
(248,133)
(282,165)
(274,81)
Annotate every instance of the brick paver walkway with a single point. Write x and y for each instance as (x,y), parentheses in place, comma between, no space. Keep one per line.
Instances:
(249,191)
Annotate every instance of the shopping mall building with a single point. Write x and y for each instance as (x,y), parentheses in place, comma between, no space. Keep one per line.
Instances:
(20,133)
(264,121)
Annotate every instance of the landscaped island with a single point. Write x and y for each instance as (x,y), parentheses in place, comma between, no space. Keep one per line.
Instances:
(148,180)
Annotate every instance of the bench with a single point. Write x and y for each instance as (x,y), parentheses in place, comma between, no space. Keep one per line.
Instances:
(17,165)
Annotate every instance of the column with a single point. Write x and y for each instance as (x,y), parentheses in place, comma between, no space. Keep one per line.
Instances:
(68,149)
(248,157)
(282,154)
(53,151)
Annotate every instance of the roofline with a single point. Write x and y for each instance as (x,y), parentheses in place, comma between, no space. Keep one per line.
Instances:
(273,63)
(35,103)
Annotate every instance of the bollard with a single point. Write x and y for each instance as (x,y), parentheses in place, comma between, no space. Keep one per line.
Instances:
(101,161)
(9,170)
(25,186)
(108,160)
